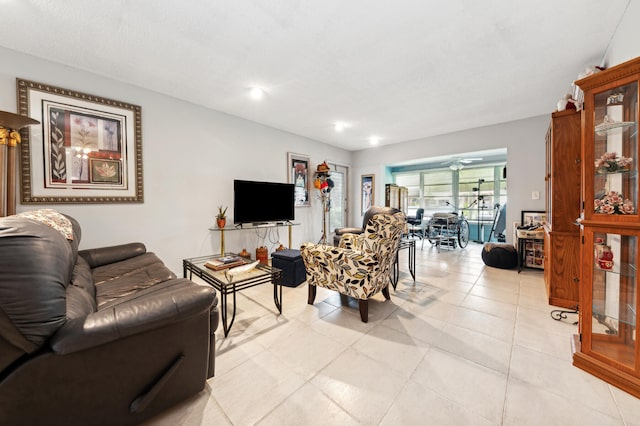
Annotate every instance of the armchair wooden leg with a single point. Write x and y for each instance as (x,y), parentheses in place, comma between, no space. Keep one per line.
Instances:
(312,294)
(344,299)
(364,309)
(385,293)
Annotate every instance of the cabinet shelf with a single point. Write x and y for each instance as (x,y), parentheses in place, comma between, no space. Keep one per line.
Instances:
(624,269)
(627,316)
(606,128)
(600,172)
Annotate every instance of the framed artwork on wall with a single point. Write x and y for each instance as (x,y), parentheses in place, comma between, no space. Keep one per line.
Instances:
(298,175)
(367,191)
(88,149)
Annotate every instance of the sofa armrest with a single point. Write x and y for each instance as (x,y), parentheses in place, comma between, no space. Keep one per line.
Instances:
(106,255)
(152,310)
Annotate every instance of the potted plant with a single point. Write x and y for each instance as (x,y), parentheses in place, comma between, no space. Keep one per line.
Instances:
(221,217)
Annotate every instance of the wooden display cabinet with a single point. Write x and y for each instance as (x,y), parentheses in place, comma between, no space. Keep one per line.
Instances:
(397,197)
(608,346)
(392,195)
(404,200)
(562,236)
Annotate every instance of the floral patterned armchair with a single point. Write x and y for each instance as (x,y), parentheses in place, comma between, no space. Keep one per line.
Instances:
(361,265)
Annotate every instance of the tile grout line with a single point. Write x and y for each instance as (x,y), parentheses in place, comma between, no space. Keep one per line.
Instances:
(513,342)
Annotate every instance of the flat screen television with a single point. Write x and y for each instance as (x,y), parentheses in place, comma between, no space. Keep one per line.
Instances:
(262,202)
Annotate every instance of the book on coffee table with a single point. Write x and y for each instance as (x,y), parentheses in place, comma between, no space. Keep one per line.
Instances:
(224,262)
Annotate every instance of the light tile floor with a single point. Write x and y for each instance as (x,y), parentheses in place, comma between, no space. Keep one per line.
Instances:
(464,345)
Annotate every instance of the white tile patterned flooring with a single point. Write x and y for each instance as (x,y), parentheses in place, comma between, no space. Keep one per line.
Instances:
(465,344)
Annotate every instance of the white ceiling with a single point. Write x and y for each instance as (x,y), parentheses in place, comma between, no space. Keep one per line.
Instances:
(401,70)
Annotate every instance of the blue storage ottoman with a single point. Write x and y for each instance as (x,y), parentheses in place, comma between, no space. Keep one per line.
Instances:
(290,262)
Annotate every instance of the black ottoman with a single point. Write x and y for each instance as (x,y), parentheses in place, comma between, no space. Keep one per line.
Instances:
(500,255)
(290,261)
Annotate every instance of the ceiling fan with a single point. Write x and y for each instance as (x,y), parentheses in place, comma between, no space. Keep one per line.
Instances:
(457,163)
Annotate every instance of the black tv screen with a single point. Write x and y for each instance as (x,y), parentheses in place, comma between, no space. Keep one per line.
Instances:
(260,202)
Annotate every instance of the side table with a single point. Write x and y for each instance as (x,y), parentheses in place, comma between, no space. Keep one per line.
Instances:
(405,243)
(262,274)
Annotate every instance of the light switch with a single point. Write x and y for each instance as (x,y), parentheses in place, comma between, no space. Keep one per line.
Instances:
(535,195)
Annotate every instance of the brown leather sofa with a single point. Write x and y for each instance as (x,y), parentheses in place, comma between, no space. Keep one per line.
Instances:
(103,336)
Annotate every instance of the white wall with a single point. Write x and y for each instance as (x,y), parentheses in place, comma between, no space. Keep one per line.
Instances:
(190,157)
(525,143)
(624,45)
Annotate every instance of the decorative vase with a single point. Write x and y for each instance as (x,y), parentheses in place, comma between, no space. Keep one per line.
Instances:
(262,254)
(605,258)
(244,253)
(221,223)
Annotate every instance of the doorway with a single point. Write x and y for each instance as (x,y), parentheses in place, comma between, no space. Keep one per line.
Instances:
(339,197)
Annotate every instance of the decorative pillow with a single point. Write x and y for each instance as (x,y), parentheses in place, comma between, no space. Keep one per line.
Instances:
(51,218)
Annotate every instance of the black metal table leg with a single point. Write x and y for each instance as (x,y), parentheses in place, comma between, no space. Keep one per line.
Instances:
(277,283)
(233,316)
(223,313)
(520,254)
(412,260)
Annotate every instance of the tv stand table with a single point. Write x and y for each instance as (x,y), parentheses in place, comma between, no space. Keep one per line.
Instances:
(249,226)
(262,274)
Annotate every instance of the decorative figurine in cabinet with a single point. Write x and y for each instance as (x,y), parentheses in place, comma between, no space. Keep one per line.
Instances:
(607,346)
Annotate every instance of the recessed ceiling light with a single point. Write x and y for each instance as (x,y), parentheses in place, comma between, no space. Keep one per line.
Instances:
(256,93)
(374,140)
(339,126)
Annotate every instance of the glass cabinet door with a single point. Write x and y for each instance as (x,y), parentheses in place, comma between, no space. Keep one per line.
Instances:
(616,148)
(613,319)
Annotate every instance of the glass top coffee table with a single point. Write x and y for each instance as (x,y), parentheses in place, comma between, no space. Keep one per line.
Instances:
(262,274)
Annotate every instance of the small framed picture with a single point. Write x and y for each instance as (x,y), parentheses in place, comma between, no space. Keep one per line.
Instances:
(298,175)
(529,218)
(105,171)
(367,191)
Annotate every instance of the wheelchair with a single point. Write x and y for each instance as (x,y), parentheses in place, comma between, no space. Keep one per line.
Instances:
(448,229)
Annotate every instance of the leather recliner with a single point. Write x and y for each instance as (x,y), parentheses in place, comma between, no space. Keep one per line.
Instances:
(103,336)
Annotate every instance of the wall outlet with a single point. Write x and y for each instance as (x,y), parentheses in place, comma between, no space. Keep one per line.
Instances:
(535,195)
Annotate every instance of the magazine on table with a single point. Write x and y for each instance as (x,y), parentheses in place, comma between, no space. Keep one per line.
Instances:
(225,262)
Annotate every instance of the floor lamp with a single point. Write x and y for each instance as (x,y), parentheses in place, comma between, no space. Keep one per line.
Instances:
(10,124)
